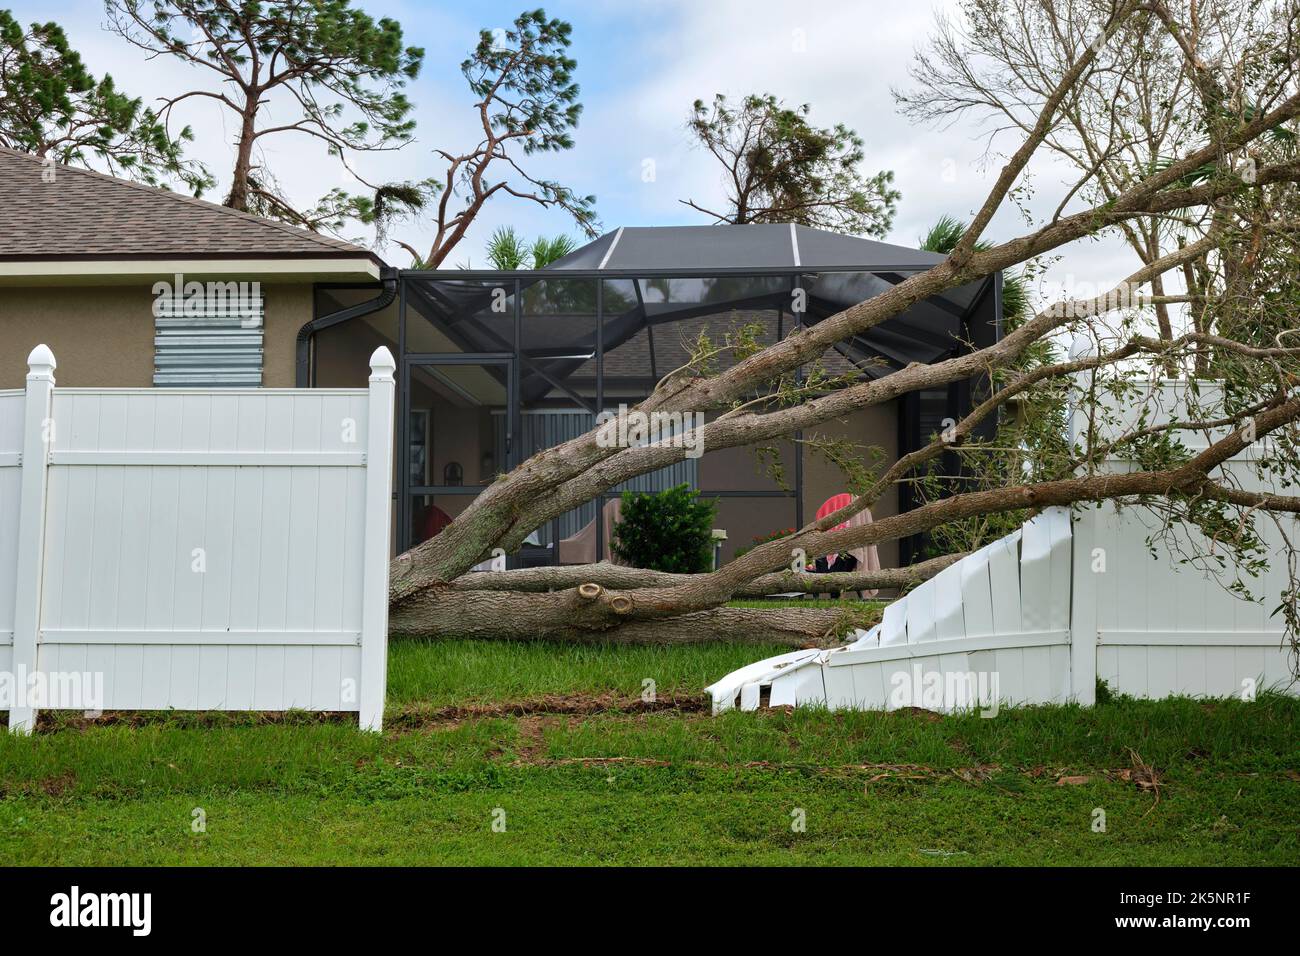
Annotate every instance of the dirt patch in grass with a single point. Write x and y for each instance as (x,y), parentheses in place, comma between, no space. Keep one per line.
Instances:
(409,718)
(876,773)
(48,721)
(58,785)
(558,705)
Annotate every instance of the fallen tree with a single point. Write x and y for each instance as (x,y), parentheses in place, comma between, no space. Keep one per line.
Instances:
(1231,186)
(618,576)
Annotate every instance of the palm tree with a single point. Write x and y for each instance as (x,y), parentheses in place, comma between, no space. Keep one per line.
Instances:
(507,251)
(943,238)
(545,251)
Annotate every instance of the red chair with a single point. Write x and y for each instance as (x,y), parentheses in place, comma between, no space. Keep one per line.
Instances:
(435,519)
(831,505)
(868,556)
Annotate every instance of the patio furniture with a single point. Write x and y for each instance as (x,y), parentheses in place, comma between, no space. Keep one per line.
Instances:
(580,548)
(868,556)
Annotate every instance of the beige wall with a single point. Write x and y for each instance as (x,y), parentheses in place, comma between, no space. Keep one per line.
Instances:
(288,309)
(103,335)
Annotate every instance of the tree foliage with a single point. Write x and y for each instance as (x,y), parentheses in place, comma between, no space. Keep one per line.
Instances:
(331,71)
(527,104)
(1169,75)
(781,168)
(52,105)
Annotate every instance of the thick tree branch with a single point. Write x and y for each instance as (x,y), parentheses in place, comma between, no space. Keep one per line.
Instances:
(620,577)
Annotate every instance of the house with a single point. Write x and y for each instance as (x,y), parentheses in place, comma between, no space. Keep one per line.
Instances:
(493,366)
(81,254)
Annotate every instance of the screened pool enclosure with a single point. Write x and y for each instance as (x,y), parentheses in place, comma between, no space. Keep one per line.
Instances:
(496,366)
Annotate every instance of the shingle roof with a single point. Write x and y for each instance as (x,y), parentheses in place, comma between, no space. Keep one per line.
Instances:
(87,215)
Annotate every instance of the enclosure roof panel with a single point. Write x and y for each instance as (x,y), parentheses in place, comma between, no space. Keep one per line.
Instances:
(665,282)
(766,246)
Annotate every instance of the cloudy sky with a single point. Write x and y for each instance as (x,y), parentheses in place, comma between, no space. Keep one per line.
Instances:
(640,64)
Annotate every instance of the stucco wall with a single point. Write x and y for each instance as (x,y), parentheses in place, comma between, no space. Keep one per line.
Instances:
(103,335)
(288,309)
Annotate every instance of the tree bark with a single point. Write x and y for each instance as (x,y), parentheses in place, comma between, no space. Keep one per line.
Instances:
(565,616)
(625,578)
(239,192)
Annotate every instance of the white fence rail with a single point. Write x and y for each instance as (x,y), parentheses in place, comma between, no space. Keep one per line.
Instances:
(1038,616)
(195,549)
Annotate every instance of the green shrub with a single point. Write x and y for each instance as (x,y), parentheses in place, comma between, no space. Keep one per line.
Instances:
(669,530)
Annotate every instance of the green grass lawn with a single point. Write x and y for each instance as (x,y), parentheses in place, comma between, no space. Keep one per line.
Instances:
(555,742)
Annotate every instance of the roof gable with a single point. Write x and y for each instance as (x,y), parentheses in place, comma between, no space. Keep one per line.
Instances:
(80,214)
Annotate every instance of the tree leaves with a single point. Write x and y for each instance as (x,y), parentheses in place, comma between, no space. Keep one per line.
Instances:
(780,168)
(52,105)
(342,69)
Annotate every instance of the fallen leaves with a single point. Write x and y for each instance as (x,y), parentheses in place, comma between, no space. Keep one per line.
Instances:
(1142,775)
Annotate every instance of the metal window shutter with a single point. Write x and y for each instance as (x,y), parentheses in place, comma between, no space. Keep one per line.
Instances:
(221,347)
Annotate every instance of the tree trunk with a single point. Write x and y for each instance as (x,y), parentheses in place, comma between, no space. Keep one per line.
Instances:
(238,197)
(555,603)
(562,616)
(625,578)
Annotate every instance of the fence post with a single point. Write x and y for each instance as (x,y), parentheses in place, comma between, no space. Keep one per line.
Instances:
(379,511)
(38,435)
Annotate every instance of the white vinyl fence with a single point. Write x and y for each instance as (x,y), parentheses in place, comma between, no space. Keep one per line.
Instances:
(195,549)
(1038,616)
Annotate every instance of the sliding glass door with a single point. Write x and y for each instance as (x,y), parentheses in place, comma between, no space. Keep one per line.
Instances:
(459,414)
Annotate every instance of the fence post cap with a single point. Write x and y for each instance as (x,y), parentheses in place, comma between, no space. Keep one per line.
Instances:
(382,365)
(41,364)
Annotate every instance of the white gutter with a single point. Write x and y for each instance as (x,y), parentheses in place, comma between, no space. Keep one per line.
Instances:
(125,270)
